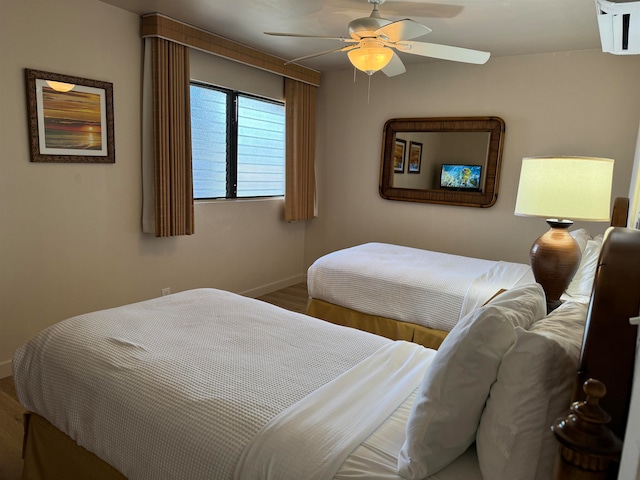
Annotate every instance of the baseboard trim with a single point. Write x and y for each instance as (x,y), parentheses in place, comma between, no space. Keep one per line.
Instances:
(272,287)
(5,369)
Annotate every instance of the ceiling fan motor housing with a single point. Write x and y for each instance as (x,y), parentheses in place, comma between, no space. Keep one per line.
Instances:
(366,27)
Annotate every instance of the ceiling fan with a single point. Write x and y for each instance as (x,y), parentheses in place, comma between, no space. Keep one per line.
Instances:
(373,39)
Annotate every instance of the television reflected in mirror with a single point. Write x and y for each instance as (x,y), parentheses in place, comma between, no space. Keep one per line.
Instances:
(460,178)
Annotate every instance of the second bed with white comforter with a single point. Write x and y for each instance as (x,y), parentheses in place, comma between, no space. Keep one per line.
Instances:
(422,287)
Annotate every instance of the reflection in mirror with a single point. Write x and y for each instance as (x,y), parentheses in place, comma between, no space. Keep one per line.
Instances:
(442,160)
(429,151)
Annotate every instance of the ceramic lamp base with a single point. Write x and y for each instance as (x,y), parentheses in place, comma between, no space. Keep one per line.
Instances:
(555,258)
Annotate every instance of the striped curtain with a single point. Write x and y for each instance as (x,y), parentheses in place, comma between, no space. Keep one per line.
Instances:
(300,191)
(166,150)
(168,197)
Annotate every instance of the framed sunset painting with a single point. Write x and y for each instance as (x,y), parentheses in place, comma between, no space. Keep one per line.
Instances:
(70,118)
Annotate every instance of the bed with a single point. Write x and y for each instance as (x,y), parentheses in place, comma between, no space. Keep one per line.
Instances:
(209,384)
(418,295)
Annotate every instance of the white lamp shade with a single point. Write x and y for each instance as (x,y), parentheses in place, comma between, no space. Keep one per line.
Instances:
(574,188)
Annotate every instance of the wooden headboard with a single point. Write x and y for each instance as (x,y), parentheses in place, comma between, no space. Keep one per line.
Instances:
(620,212)
(609,346)
(588,449)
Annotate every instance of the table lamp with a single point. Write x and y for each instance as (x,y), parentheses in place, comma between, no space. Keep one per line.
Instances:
(562,189)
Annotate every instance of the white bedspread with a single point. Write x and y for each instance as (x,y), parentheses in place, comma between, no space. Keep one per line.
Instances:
(432,289)
(175,387)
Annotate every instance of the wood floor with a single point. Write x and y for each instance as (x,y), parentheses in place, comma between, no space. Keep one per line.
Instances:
(11,430)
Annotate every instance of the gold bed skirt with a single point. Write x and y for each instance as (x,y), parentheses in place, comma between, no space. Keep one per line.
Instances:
(386,327)
(50,454)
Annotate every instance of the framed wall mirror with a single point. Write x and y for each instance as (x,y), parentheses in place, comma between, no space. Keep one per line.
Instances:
(453,160)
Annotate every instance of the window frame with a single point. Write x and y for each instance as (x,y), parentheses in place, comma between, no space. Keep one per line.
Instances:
(232,141)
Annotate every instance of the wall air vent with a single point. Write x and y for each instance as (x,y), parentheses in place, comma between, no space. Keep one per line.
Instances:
(619,25)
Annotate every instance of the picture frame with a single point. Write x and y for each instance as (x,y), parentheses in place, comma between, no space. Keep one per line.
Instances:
(399,155)
(415,157)
(70,118)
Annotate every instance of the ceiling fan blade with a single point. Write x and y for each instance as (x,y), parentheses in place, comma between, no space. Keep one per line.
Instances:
(341,49)
(402,30)
(302,35)
(444,52)
(394,67)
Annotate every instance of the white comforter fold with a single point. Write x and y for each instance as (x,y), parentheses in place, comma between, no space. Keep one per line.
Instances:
(501,275)
(312,438)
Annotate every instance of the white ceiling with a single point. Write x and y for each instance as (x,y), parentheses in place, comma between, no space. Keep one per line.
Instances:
(502,27)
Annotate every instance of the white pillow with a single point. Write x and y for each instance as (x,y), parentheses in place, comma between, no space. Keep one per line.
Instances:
(445,415)
(582,282)
(581,236)
(533,389)
(526,297)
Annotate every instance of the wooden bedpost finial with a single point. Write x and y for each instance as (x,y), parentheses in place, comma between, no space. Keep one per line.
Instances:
(588,447)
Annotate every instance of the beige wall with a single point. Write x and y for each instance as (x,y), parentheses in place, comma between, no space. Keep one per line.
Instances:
(70,238)
(569,103)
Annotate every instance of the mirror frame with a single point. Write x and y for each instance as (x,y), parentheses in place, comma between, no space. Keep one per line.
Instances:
(486,198)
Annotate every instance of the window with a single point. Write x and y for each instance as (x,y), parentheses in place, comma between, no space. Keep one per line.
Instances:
(238,144)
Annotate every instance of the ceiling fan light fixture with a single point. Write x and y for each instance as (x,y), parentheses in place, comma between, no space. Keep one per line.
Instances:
(370,59)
